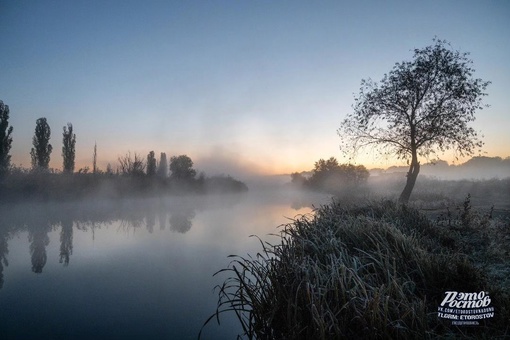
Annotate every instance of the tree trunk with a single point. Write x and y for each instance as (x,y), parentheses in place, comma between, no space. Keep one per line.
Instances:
(414,169)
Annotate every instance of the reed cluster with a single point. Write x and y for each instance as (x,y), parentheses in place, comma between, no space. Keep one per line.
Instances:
(377,271)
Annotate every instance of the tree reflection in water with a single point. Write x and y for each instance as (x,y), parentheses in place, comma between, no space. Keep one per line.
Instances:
(39,219)
(38,237)
(66,240)
(150,220)
(162,219)
(180,221)
(3,253)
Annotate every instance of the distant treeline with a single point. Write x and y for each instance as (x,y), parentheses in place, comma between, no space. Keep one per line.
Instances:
(32,186)
(134,175)
(475,168)
(332,177)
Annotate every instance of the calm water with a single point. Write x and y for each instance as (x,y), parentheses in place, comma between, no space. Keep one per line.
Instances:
(139,269)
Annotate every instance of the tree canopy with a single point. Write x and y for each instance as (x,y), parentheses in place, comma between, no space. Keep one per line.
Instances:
(420,107)
(68,148)
(182,168)
(151,164)
(5,139)
(330,176)
(41,151)
(163,166)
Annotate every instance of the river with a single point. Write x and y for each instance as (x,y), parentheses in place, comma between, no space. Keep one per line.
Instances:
(130,269)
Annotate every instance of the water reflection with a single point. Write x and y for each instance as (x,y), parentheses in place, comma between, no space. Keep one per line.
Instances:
(3,253)
(38,237)
(162,220)
(125,269)
(129,215)
(150,221)
(66,240)
(180,218)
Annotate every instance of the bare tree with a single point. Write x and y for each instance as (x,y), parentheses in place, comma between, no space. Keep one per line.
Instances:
(133,166)
(420,107)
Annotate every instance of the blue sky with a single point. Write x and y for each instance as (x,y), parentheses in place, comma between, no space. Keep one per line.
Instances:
(258,86)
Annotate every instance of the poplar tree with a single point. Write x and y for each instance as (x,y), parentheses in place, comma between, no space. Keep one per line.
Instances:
(68,148)
(5,139)
(151,164)
(41,151)
(94,160)
(163,166)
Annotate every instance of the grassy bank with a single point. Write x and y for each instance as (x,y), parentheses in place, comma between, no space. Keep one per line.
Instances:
(378,271)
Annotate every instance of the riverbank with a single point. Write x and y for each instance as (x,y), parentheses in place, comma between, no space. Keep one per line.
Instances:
(378,270)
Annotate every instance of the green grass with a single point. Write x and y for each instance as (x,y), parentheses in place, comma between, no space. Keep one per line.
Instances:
(373,271)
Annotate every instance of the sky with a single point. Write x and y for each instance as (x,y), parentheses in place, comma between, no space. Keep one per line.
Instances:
(238,86)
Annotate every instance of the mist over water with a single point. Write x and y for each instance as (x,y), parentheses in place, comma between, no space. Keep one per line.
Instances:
(131,268)
(136,261)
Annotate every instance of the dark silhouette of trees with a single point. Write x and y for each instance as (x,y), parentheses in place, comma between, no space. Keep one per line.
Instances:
(5,139)
(163,166)
(132,166)
(323,172)
(151,164)
(94,159)
(329,175)
(297,179)
(42,148)
(421,106)
(109,170)
(68,148)
(182,168)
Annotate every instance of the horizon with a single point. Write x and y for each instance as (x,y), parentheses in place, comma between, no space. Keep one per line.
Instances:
(241,88)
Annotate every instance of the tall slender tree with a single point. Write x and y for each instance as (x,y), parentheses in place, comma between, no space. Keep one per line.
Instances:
(163,166)
(151,164)
(68,148)
(41,151)
(5,139)
(94,162)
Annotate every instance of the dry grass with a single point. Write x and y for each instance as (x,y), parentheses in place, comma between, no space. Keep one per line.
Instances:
(377,271)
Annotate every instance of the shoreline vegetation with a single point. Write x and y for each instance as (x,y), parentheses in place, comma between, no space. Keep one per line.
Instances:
(371,270)
(61,187)
(135,176)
